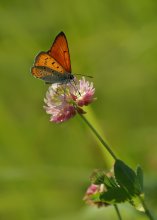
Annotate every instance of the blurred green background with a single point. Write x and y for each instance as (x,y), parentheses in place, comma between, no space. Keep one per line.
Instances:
(44,167)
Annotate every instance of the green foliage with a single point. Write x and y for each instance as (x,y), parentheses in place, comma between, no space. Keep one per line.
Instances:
(127,178)
(98,177)
(125,185)
(139,173)
(110,182)
(136,202)
(114,195)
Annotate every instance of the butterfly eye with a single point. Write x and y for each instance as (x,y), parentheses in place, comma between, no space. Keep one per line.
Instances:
(71,76)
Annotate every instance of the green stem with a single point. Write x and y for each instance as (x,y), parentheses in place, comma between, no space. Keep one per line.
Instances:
(118,213)
(99,137)
(147,212)
(107,148)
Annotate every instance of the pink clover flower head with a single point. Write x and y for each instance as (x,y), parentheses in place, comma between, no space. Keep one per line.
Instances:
(92,195)
(65,101)
(87,91)
(98,187)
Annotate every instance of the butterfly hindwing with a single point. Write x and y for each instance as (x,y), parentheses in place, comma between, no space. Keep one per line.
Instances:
(60,51)
(44,59)
(42,72)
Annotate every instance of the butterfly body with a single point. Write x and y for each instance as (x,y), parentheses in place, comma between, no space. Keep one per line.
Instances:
(54,66)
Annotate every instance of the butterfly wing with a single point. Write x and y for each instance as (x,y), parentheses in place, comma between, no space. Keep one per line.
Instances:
(44,59)
(60,51)
(54,66)
(49,70)
(40,72)
(48,75)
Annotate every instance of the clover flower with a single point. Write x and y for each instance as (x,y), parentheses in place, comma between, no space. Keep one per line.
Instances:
(100,184)
(92,195)
(65,101)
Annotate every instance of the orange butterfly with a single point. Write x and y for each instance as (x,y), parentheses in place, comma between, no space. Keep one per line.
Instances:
(54,66)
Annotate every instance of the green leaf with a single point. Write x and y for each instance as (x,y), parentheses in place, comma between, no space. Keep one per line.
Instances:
(136,202)
(114,195)
(109,182)
(95,197)
(97,177)
(126,178)
(139,172)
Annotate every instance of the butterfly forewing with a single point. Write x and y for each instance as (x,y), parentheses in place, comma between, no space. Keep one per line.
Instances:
(60,52)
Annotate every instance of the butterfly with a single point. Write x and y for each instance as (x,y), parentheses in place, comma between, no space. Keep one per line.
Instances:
(54,66)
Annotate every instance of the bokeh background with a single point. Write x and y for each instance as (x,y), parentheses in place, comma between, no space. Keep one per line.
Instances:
(44,167)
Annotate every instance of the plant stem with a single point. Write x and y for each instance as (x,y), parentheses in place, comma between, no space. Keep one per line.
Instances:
(147,212)
(118,213)
(107,148)
(99,137)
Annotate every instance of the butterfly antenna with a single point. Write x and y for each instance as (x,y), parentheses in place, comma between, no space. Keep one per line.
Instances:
(83,75)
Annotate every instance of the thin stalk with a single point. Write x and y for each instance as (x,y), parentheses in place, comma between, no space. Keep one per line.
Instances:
(99,137)
(147,211)
(107,148)
(118,213)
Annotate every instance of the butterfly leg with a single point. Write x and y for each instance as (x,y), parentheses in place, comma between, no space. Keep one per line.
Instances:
(75,87)
(54,90)
(48,83)
(64,89)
